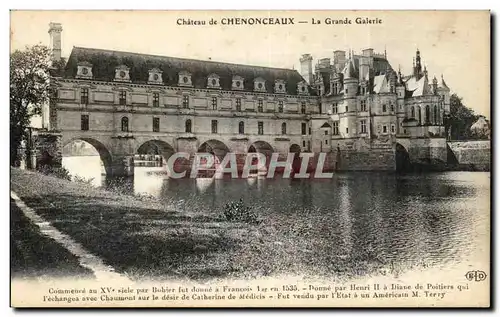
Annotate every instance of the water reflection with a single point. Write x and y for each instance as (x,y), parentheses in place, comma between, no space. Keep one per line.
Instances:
(371,219)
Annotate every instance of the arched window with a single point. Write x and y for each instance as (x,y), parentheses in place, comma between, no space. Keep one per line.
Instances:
(413,112)
(124,124)
(188,126)
(241,127)
(419,115)
(427,114)
(436,119)
(283,128)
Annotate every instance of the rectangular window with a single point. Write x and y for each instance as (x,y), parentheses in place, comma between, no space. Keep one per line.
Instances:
(156,99)
(214,126)
(335,108)
(214,103)
(347,130)
(260,106)
(363,105)
(303,128)
(393,128)
(304,143)
(326,132)
(363,126)
(309,130)
(84,96)
(303,107)
(123,97)
(335,128)
(156,124)
(384,129)
(238,104)
(346,108)
(384,108)
(326,142)
(185,101)
(260,126)
(280,106)
(335,88)
(85,122)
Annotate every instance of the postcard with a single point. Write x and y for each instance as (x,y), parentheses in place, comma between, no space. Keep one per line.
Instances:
(250,158)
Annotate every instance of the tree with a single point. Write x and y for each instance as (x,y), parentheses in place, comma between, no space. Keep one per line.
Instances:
(29,91)
(460,120)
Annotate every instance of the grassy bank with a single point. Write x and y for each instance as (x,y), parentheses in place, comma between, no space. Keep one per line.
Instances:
(140,238)
(34,255)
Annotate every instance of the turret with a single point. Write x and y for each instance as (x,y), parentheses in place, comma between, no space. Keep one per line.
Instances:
(434,85)
(400,86)
(417,70)
(444,92)
(350,79)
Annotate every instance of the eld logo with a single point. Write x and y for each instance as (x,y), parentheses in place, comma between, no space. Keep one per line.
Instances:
(475,276)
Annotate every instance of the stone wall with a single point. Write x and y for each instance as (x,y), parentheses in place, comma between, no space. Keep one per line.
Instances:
(373,160)
(475,155)
(47,149)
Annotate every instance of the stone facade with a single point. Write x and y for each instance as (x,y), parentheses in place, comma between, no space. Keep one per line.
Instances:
(356,108)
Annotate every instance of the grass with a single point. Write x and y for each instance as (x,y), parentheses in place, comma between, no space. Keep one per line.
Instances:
(142,239)
(34,255)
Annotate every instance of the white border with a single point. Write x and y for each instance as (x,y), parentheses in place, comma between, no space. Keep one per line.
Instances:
(213,5)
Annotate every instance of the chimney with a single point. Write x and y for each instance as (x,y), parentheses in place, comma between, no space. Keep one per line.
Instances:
(368,54)
(306,68)
(339,60)
(55,30)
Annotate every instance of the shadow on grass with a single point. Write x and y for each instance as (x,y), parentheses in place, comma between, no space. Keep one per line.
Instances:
(34,255)
(139,242)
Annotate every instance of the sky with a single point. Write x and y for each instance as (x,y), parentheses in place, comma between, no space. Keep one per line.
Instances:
(453,43)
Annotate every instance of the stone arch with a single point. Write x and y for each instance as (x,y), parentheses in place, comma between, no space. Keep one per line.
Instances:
(103,151)
(403,163)
(261,147)
(215,147)
(156,147)
(295,148)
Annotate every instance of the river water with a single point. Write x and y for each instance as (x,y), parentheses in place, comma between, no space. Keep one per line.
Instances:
(437,217)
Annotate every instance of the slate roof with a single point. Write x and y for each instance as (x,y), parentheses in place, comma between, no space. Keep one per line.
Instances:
(415,88)
(104,63)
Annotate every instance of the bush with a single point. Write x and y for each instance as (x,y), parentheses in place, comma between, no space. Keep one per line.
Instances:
(59,172)
(81,180)
(238,211)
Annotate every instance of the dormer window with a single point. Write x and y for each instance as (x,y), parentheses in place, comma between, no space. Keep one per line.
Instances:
(122,73)
(185,79)
(279,86)
(259,85)
(237,83)
(155,76)
(213,81)
(302,88)
(84,70)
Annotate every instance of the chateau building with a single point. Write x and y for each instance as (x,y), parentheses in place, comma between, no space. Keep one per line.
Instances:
(128,103)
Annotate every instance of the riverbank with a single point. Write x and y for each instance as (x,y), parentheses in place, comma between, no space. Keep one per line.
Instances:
(142,239)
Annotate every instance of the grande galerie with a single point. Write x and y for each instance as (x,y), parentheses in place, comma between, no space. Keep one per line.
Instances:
(358,20)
